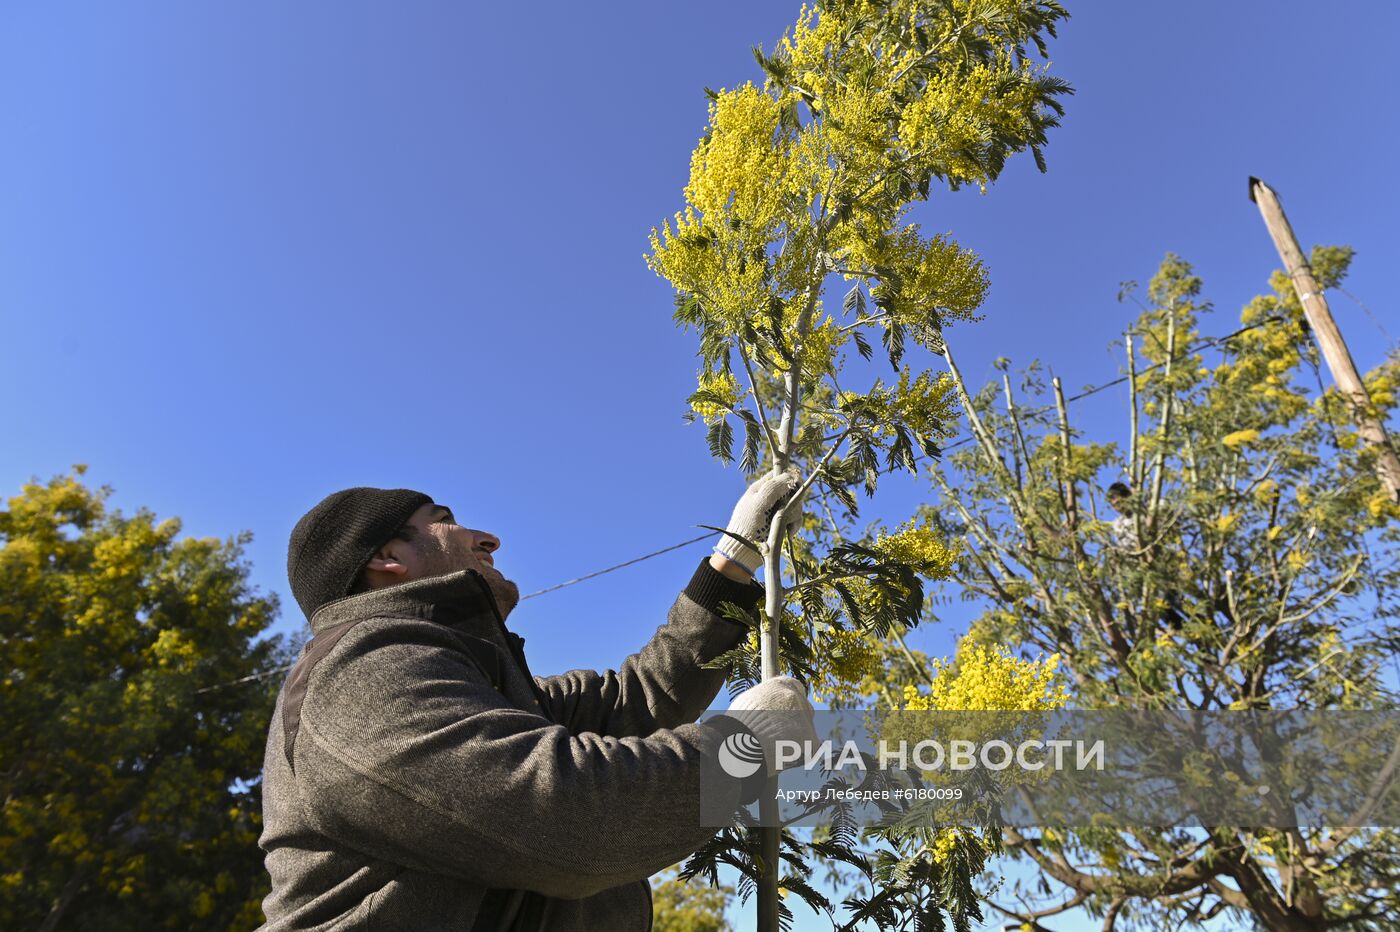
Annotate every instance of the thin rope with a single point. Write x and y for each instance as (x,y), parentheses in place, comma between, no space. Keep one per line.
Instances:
(654,553)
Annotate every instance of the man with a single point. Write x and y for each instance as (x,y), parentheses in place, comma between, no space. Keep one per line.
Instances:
(418,777)
(1125,538)
(1124,527)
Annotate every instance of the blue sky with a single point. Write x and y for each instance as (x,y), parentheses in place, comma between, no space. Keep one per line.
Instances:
(252,253)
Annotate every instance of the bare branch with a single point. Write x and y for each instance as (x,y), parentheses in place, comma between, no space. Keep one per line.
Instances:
(758,406)
(1164,427)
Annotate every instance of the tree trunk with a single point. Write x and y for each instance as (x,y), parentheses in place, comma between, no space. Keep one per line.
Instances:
(65,899)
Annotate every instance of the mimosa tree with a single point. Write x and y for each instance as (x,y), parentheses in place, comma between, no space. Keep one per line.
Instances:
(799,184)
(1236,553)
(136,693)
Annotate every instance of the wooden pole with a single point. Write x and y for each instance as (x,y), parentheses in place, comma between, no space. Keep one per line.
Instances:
(1329,338)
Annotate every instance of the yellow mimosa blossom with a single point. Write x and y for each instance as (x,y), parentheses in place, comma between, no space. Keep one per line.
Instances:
(918,546)
(817,353)
(943,845)
(986,678)
(1381,504)
(708,262)
(844,661)
(934,274)
(739,168)
(950,118)
(925,404)
(1240,438)
(722,384)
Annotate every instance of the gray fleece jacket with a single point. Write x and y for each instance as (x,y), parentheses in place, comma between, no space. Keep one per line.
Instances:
(417,777)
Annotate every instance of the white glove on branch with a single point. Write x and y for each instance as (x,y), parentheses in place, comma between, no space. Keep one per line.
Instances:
(776,710)
(754,513)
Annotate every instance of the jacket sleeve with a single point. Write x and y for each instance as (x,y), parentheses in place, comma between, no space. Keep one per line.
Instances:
(663,685)
(407,754)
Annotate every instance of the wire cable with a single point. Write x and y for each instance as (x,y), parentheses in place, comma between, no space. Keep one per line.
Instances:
(647,556)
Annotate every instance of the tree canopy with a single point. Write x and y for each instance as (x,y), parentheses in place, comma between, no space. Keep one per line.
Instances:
(1236,553)
(129,769)
(687,905)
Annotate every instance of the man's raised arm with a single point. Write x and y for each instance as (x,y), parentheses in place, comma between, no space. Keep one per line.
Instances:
(664,684)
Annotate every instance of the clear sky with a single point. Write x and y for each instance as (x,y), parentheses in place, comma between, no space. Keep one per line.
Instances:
(252,253)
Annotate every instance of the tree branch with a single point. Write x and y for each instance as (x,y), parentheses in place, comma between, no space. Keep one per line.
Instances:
(758,406)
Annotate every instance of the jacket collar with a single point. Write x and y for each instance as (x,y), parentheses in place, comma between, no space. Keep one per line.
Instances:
(450,599)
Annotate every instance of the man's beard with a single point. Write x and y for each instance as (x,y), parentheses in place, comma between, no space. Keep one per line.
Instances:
(439,561)
(505,592)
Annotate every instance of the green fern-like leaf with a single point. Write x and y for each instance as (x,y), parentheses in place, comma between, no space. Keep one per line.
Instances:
(753,439)
(720,437)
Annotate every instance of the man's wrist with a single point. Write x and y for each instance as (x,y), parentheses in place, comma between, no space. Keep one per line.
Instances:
(710,589)
(730,568)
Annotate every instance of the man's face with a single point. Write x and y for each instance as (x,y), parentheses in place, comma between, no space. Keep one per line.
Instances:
(440,546)
(1123,504)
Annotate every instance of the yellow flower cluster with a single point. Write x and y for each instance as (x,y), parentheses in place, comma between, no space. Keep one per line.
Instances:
(173,649)
(806,47)
(942,121)
(925,404)
(917,546)
(1240,438)
(943,844)
(817,354)
(819,348)
(947,839)
(1267,354)
(740,170)
(723,384)
(983,678)
(857,105)
(935,273)
(1382,505)
(958,110)
(1380,386)
(845,661)
(759,175)
(703,260)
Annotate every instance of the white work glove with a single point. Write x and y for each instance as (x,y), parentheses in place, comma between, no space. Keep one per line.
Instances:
(754,513)
(776,710)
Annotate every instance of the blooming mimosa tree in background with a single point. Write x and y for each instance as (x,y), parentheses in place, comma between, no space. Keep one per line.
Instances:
(804,183)
(1239,553)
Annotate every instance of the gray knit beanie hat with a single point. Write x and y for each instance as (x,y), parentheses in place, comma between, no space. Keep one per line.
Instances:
(333,541)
